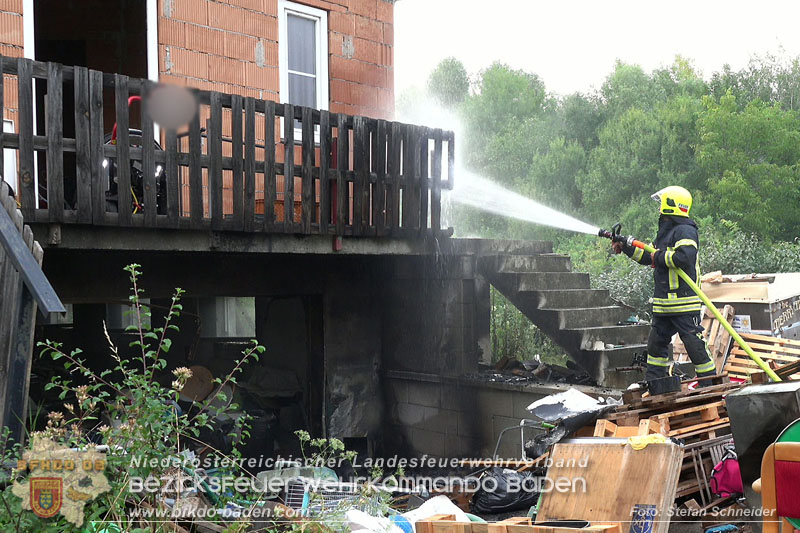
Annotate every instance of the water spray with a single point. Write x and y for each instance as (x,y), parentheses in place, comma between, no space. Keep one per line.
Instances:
(615,235)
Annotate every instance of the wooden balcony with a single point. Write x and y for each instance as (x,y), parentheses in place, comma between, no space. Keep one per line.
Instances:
(226,171)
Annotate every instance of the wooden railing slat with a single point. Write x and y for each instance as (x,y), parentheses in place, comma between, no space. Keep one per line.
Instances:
(270,185)
(195,173)
(173,178)
(379,199)
(436,195)
(97,140)
(308,204)
(248,221)
(148,163)
(236,150)
(360,160)
(215,168)
(83,161)
(123,168)
(324,165)
(54,127)
(422,194)
(410,215)
(451,161)
(28,194)
(288,168)
(342,164)
(393,166)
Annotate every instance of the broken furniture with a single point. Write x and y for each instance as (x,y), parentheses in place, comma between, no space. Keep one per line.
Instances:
(779,484)
(610,481)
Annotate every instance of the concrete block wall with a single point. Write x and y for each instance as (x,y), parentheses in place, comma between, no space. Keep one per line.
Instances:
(436,323)
(458,418)
(232,46)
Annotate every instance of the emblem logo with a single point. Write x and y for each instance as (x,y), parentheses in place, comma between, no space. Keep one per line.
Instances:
(46,496)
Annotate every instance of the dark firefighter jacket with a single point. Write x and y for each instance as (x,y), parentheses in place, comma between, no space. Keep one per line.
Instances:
(677,243)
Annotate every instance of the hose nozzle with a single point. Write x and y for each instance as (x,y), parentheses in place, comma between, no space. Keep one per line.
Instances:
(613,233)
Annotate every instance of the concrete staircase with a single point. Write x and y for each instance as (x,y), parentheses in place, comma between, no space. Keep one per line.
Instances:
(582,320)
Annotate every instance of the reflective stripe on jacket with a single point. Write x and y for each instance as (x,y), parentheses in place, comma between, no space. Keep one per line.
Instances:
(677,238)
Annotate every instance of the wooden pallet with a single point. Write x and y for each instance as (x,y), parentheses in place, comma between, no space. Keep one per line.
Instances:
(716,335)
(775,351)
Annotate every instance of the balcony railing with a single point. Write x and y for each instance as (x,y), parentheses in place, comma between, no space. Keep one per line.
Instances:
(349,175)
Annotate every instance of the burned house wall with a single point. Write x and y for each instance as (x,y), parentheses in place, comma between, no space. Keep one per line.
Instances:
(437,331)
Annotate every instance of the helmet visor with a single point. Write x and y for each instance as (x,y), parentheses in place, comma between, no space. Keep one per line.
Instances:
(656,196)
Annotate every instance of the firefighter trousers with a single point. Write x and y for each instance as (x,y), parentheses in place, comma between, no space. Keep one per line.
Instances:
(688,327)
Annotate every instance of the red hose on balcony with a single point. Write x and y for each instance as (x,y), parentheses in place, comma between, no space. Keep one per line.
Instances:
(131,99)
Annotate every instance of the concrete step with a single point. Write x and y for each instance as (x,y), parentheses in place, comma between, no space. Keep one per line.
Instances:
(526,263)
(587,317)
(569,298)
(596,338)
(542,281)
(488,247)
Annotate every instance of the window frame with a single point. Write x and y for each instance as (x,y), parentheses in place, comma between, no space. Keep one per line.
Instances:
(286,7)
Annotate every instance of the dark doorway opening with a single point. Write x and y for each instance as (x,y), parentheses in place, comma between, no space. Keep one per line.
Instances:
(105,35)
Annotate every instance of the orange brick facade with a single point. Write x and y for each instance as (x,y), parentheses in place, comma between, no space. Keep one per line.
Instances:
(233,47)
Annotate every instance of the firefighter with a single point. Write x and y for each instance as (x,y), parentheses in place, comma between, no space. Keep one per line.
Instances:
(676,308)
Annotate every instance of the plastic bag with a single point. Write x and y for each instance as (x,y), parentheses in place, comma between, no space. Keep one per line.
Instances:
(513,491)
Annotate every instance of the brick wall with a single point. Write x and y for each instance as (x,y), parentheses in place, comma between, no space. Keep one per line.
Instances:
(11,45)
(232,47)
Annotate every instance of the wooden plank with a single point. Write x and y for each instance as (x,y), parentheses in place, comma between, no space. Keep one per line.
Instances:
(393,159)
(270,186)
(360,162)
(451,160)
(288,168)
(342,165)
(11,179)
(770,340)
(436,193)
(195,174)
(248,220)
(237,163)
(83,159)
(324,166)
(215,163)
(410,174)
(18,254)
(423,196)
(612,498)
(124,202)
(173,179)
(149,184)
(379,199)
(26,192)
(97,140)
(308,203)
(54,127)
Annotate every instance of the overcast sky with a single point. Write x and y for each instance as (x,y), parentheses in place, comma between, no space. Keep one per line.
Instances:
(572,44)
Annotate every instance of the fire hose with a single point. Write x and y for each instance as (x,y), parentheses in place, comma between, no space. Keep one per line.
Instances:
(614,235)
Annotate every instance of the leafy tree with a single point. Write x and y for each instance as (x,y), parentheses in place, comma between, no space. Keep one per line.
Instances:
(449,82)
(752,158)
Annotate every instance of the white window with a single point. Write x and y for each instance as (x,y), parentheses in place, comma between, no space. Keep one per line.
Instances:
(303,48)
